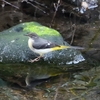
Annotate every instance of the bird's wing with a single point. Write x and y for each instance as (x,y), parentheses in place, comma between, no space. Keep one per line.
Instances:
(43,44)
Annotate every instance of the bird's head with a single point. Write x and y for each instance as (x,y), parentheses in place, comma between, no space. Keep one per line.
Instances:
(32,35)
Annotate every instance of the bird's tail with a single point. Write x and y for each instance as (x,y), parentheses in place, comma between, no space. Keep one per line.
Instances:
(65,47)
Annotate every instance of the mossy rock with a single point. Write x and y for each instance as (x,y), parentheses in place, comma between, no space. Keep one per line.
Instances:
(14,48)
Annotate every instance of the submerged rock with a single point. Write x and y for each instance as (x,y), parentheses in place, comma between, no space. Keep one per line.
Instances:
(14,48)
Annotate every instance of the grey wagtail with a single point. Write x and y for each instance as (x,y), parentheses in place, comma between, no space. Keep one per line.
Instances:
(42,46)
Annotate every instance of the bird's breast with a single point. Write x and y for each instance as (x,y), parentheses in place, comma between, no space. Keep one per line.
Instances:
(30,44)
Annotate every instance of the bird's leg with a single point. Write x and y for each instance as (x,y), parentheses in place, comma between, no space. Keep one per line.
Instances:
(36,59)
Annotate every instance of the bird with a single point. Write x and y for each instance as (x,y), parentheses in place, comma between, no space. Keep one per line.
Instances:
(42,46)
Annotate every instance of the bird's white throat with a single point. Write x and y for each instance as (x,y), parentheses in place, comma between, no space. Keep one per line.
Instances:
(30,43)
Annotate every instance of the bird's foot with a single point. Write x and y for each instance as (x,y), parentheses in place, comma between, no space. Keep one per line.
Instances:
(34,60)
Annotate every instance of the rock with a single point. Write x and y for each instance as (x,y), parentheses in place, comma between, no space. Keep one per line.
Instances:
(14,48)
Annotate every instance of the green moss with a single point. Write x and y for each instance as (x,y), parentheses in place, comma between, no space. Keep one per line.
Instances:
(39,29)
